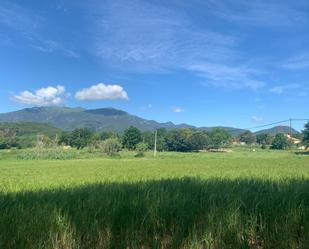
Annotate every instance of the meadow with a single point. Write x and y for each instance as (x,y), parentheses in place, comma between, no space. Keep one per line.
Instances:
(255,199)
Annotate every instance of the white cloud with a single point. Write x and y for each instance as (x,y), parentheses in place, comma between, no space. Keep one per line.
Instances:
(260,13)
(227,76)
(102,92)
(42,97)
(178,109)
(282,88)
(29,28)
(256,119)
(151,37)
(297,62)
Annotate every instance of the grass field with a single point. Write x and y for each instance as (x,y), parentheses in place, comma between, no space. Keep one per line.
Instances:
(243,199)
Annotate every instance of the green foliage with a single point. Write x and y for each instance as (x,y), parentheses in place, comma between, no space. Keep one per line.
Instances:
(141,148)
(65,138)
(198,140)
(178,140)
(219,138)
(131,137)
(149,139)
(30,128)
(247,137)
(55,153)
(24,134)
(81,138)
(8,138)
(264,139)
(280,142)
(111,146)
(306,135)
(106,135)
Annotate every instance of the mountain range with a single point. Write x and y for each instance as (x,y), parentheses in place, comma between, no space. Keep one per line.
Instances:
(108,119)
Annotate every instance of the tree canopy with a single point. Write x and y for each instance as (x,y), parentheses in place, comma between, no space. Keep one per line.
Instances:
(306,135)
(247,137)
(280,142)
(131,137)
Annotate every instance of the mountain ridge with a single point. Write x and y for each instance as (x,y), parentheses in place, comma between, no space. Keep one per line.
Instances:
(108,118)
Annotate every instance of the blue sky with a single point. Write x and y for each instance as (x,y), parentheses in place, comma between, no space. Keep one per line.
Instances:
(203,62)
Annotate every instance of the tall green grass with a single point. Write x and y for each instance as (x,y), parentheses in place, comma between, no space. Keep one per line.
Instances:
(256,200)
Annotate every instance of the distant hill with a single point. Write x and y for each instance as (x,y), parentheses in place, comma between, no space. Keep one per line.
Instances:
(233,131)
(277,129)
(65,118)
(108,119)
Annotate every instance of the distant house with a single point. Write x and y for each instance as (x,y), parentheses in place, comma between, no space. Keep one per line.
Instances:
(238,143)
(294,140)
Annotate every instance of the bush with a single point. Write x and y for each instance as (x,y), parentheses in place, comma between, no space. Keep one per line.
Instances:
(111,146)
(56,153)
(131,137)
(219,138)
(280,142)
(305,139)
(247,137)
(141,148)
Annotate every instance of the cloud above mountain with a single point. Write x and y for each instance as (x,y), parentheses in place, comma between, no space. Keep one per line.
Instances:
(42,97)
(102,92)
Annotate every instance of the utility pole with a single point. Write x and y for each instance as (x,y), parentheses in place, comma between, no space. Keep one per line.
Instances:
(290,127)
(155,144)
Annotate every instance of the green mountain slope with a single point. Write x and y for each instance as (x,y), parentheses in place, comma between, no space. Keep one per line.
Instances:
(277,129)
(108,119)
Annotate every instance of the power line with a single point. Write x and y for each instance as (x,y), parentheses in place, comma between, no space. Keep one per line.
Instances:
(300,119)
(261,126)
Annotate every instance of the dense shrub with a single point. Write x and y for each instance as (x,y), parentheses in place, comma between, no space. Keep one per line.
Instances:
(247,137)
(280,142)
(141,148)
(306,135)
(131,137)
(219,138)
(111,146)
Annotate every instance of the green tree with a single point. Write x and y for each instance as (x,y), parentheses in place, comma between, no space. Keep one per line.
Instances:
(280,142)
(178,140)
(219,138)
(106,135)
(149,139)
(247,137)
(8,138)
(198,140)
(64,138)
(111,146)
(306,135)
(131,137)
(81,138)
(264,139)
(141,148)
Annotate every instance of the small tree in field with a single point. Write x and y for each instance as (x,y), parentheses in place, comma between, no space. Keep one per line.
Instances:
(264,139)
(219,138)
(280,142)
(141,148)
(111,146)
(306,135)
(131,137)
(247,137)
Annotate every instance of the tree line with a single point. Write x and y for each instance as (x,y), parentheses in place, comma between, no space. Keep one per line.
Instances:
(181,140)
